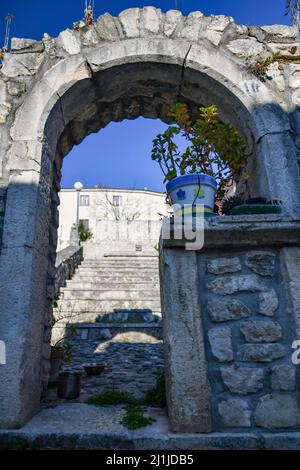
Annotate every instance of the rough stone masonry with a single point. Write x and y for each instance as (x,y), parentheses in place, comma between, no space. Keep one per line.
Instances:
(55,92)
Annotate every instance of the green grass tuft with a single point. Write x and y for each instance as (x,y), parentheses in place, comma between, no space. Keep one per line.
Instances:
(157,396)
(135,419)
(112,397)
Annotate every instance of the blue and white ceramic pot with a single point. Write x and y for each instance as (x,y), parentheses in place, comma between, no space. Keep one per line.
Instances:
(192,193)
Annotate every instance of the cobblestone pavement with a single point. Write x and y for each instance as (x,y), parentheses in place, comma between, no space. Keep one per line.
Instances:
(130,366)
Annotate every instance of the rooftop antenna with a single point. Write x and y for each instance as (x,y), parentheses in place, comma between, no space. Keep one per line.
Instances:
(89,12)
(9,18)
(176,5)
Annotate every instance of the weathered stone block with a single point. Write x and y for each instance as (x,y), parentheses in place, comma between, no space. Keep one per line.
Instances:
(130,19)
(242,380)
(226,310)
(275,74)
(223,265)
(283,377)
(280,33)
(89,36)
(261,262)
(192,26)
(16,88)
(294,76)
(277,411)
(268,303)
(261,331)
(3,93)
(19,45)
(232,284)
(70,41)
(245,48)
(4,112)
(221,344)
(235,413)
(261,352)
(109,28)
(173,20)
(151,20)
(22,64)
(214,30)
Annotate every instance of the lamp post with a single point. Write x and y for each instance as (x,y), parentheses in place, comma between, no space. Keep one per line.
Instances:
(78,187)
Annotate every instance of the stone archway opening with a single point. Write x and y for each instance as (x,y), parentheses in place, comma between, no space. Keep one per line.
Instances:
(131,96)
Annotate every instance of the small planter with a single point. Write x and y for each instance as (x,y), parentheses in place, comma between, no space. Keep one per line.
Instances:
(94,369)
(69,384)
(193,193)
(253,209)
(57,357)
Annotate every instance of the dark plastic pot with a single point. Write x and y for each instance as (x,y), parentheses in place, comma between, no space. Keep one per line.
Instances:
(57,357)
(69,384)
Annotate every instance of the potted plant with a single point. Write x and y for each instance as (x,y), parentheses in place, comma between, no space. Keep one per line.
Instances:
(215,152)
(61,351)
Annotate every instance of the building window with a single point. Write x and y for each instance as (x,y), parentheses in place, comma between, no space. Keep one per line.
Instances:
(84,200)
(117,201)
(85,222)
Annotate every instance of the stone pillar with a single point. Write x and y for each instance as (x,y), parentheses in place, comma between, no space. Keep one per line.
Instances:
(231,312)
(23,286)
(188,390)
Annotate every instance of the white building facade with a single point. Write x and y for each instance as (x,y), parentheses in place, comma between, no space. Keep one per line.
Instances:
(122,221)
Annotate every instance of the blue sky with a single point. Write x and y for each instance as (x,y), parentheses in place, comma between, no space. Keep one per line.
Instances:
(119,155)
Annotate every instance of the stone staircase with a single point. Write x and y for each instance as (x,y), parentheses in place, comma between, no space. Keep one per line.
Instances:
(112,289)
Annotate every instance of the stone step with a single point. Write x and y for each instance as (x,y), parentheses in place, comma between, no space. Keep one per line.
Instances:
(121,262)
(107,305)
(130,258)
(111,269)
(80,294)
(97,331)
(103,285)
(114,278)
(97,318)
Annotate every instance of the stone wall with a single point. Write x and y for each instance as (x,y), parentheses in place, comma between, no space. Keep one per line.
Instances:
(246,312)
(248,340)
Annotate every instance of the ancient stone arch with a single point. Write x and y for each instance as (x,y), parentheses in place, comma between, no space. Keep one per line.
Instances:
(54,92)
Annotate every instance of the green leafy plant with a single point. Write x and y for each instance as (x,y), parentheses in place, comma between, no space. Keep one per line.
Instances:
(111,397)
(157,396)
(259,68)
(230,202)
(214,147)
(84,233)
(135,419)
(66,346)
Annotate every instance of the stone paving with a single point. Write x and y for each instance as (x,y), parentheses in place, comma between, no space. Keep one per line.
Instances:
(131,366)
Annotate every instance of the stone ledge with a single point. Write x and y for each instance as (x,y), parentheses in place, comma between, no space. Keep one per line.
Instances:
(244,231)
(116,325)
(76,427)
